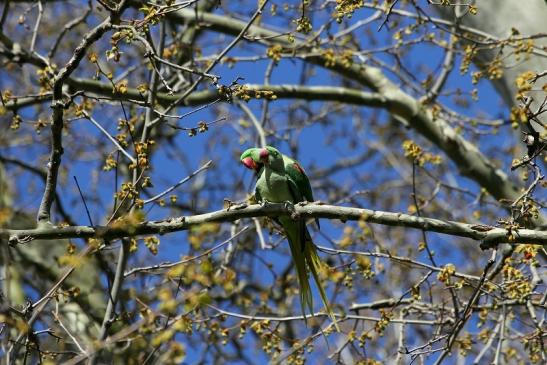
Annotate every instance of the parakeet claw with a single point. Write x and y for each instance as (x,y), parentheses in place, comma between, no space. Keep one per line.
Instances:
(228,204)
(290,207)
(264,203)
(240,206)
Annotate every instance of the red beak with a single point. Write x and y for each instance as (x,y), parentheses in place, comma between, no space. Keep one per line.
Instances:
(249,163)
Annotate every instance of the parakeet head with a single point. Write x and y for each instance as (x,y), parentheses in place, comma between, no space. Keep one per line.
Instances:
(251,159)
(255,158)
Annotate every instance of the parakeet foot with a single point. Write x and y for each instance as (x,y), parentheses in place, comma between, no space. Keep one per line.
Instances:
(228,204)
(290,207)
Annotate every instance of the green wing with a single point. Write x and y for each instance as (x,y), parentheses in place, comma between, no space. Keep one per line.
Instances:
(258,196)
(298,175)
(297,197)
(294,189)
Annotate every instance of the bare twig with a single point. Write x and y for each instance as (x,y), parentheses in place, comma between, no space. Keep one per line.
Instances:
(221,55)
(447,66)
(57,318)
(186,260)
(489,343)
(36,26)
(83,201)
(186,179)
(74,22)
(261,239)
(499,347)
(342,318)
(460,323)
(388,13)
(256,123)
(112,139)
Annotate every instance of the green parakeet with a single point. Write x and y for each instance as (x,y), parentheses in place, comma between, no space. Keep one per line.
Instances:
(282,179)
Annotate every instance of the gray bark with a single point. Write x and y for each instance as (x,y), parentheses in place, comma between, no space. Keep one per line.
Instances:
(497,18)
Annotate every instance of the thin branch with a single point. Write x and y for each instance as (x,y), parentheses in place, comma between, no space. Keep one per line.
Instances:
(4,16)
(169,265)
(499,347)
(382,303)
(83,200)
(361,23)
(266,102)
(36,26)
(187,178)
(113,297)
(400,259)
(388,13)
(261,239)
(74,22)
(57,318)
(342,318)
(221,55)
(447,66)
(489,343)
(460,323)
(185,69)
(112,139)
(256,123)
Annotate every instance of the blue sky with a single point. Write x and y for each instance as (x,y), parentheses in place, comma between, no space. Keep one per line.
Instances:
(314,149)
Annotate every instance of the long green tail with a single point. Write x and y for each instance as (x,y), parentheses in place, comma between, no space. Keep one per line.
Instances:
(306,298)
(314,263)
(305,259)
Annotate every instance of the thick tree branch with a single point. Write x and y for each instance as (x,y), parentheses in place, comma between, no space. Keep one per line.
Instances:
(488,235)
(58,107)
(471,162)
(469,159)
(288,91)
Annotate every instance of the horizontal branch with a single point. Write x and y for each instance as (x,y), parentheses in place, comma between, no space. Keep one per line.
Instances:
(470,161)
(323,314)
(105,89)
(468,158)
(489,236)
(286,91)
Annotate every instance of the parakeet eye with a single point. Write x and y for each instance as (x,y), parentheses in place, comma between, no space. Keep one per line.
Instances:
(273,152)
